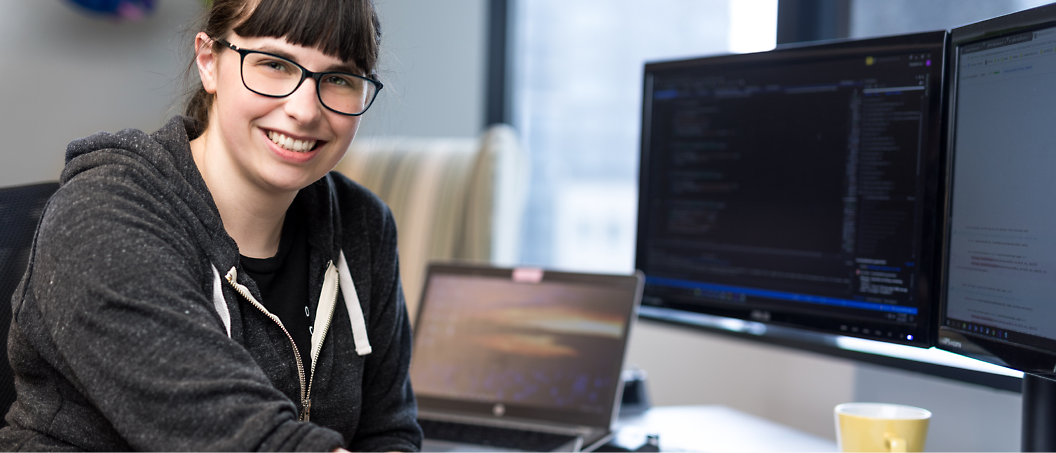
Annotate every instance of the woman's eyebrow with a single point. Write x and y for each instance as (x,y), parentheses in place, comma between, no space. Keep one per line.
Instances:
(277,51)
(344,67)
(341,67)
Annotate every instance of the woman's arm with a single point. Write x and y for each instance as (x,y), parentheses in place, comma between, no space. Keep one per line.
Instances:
(122,340)
(389,417)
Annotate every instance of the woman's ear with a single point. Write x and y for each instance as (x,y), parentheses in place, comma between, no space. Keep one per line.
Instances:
(207,61)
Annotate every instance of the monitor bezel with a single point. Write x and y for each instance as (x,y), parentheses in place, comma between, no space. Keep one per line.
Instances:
(1005,353)
(933,158)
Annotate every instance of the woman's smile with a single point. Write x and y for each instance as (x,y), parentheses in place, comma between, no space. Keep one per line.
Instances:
(289,148)
(290,143)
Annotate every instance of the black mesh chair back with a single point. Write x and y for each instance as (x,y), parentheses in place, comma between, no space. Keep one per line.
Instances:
(20,210)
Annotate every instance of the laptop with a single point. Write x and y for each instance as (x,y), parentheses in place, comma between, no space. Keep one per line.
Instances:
(520,359)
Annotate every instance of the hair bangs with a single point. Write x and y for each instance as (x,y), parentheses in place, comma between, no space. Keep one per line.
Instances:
(344,29)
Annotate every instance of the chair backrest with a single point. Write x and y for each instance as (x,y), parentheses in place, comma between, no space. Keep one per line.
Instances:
(453,198)
(20,210)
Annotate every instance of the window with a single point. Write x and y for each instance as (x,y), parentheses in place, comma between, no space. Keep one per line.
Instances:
(577,102)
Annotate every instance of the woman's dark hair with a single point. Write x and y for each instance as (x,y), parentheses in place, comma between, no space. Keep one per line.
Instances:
(345,29)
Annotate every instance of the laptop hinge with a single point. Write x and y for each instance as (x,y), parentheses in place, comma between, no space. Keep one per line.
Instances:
(508,422)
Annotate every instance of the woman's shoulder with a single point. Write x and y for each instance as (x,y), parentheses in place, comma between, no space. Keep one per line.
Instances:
(135,183)
(165,152)
(101,211)
(137,170)
(353,198)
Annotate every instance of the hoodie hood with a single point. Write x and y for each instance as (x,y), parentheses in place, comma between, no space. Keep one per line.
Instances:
(162,164)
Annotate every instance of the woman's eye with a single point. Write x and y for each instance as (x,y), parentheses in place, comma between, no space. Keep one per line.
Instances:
(337,81)
(275,65)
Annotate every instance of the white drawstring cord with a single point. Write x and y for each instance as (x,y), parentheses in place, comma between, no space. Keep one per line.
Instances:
(355,312)
(219,303)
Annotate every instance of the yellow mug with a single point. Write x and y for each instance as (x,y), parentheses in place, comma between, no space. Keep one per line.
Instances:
(881,427)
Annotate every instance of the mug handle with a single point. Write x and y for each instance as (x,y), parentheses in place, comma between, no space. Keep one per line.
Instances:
(895,444)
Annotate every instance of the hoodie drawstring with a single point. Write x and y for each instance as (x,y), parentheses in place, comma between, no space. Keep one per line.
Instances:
(355,311)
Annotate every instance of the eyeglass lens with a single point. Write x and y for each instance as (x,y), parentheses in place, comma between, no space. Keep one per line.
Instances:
(273,76)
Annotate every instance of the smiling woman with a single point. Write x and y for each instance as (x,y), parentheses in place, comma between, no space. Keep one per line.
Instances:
(213,285)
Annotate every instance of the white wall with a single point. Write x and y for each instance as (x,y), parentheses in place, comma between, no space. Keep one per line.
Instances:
(67,75)
(433,64)
(800,389)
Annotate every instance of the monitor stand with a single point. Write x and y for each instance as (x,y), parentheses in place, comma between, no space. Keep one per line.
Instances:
(1039,413)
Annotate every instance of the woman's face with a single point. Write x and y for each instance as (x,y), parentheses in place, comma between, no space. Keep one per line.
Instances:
(257,133)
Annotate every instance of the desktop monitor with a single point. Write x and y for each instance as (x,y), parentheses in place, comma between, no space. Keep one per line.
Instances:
(796,187)
(998,300)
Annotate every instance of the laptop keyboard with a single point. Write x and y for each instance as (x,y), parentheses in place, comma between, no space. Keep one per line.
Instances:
(493,436)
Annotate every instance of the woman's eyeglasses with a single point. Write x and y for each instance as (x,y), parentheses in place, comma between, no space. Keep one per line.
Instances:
(274,76)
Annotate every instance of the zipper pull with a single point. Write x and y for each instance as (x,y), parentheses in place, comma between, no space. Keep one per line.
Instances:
(307,403)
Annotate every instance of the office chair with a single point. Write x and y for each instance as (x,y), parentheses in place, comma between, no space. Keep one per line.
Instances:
(20,210)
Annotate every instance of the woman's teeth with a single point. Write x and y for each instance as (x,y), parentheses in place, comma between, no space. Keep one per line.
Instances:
(299,146)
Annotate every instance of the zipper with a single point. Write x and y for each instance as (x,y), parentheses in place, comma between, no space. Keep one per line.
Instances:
(306,403)
(331,276)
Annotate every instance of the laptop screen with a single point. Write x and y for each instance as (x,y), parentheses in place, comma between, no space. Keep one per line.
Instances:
(550,344)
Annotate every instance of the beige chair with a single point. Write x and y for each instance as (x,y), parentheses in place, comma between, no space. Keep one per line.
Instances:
(453,199)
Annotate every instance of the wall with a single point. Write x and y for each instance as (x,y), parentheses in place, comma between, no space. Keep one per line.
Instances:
(68,75)
(433,66)
(800,389)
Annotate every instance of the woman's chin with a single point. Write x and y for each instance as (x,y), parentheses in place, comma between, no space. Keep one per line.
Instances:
(288,181)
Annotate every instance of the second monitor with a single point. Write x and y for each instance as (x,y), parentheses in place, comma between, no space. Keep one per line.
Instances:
(796,187)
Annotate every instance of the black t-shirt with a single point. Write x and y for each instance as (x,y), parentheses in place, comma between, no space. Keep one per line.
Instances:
(283,283)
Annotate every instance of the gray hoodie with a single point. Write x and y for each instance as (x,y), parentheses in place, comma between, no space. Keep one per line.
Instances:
(135,328)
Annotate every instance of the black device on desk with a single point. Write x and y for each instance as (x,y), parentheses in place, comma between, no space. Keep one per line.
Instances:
(999,290)
(796,187)
(520,359)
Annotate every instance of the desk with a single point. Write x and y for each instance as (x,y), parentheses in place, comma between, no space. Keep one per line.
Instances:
(716,428)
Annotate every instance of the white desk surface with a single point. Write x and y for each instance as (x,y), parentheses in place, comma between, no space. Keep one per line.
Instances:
(716,428)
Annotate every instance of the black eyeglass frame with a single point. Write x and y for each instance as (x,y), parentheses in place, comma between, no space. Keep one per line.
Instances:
(305,73)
